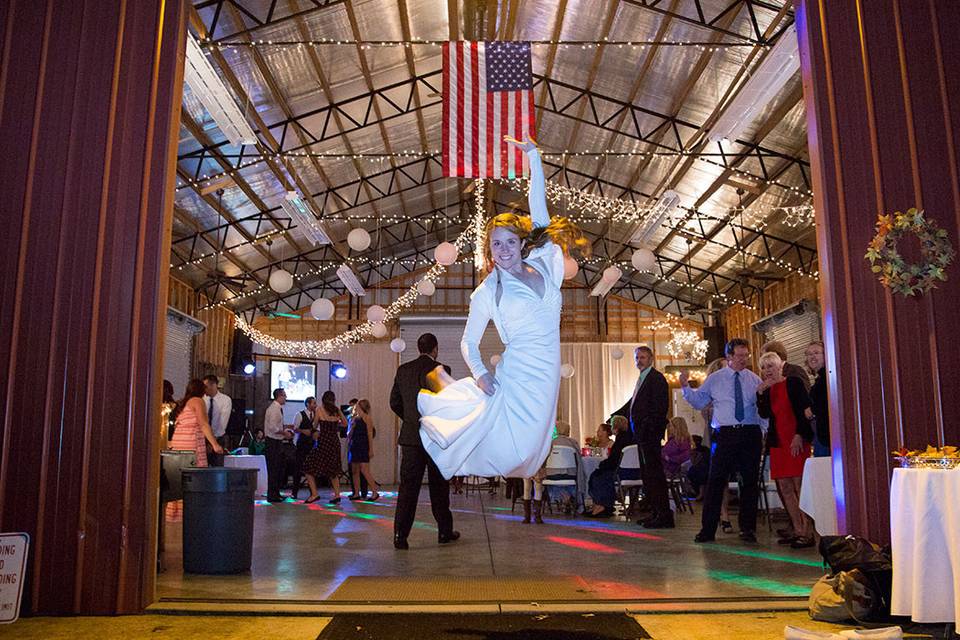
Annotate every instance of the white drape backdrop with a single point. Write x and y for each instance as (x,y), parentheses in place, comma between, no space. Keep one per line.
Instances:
(599,385)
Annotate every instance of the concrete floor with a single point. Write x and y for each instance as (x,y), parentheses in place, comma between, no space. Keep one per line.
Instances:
(743,626)
(305,553)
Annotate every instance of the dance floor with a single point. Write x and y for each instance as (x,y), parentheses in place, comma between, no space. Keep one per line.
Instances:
(316,553)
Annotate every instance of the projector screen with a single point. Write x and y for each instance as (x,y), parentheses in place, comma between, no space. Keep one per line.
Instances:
(298,379)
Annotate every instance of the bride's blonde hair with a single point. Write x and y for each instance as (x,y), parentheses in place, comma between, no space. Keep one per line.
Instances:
(561,231)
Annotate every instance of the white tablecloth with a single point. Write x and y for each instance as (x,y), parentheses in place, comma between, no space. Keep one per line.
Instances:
(925,532)
(251,462)
(817,498)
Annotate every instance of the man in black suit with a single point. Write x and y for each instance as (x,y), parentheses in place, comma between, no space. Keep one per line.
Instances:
(647,412)
(411,377)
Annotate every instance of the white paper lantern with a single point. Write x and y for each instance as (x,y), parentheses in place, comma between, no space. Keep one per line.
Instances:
(358,239)
(379,330)
(376,313)
(445,253)
(611,274)
(570,268)
(322,309)
(566,371)
(281,281)
(643,260)
(426,288)
(616,353)
(397,345)
(495,359)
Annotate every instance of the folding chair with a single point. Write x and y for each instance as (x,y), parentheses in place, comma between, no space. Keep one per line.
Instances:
(629,461)
(561,458)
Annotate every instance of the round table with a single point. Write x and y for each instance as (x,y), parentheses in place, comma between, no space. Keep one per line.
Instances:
(925,537)
(817,498)
(251,462)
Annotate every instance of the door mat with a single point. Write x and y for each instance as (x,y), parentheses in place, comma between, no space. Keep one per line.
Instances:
(454,589)
(564,626)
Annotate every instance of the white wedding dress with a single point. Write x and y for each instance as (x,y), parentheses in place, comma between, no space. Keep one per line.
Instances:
(467,432)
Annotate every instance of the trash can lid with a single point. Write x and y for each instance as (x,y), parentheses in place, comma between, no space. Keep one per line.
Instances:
(218,480)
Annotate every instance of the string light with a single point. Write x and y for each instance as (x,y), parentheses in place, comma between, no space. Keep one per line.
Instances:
(320,348)
(703,46)
(687,345)
(479,227)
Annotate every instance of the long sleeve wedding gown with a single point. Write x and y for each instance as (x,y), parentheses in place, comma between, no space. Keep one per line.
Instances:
(467,432)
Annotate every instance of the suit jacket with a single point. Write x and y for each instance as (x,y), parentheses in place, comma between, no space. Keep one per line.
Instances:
(647,409)
(411,377)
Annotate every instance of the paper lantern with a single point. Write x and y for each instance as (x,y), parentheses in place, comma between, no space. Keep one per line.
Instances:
(398,345)
(426,288)
(379,330)
(616,353)
(445,253)
(566,371)
(322,309)
(376,313)
(611,274)
(495,359)
(358,239)
(643,260)
(570,268)
(281,281)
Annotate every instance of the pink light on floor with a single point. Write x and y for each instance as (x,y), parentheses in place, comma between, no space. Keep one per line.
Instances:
(625,534)
(586,545)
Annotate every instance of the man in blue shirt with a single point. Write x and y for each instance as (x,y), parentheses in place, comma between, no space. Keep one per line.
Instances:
(737,439)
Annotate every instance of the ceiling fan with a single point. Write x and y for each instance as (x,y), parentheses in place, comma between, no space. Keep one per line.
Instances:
(273,313)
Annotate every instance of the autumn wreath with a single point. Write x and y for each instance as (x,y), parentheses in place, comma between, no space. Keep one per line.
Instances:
(895,272)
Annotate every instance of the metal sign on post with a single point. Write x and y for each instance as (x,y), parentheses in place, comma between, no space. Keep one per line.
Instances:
(13,565)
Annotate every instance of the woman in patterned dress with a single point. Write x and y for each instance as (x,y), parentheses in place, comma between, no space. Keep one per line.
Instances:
(324,459)
(191,433)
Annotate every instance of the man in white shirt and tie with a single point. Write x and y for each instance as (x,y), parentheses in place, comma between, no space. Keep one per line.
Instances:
(737,439)
(219,405)
(278,437)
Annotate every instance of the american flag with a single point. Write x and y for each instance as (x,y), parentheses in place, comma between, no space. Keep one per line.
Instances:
(487,94)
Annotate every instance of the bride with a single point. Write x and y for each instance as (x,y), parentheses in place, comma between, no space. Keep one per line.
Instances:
(501,422)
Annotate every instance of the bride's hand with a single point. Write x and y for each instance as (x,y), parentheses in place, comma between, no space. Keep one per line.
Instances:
(527,145)
(487,384)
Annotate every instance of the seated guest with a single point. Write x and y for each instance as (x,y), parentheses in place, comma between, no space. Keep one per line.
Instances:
(677,449)
(604,435)
(784,402)
(259,444)
(568,493)
(699,467)
(603,481)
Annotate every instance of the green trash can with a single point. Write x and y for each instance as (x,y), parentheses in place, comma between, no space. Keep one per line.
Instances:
(218,519)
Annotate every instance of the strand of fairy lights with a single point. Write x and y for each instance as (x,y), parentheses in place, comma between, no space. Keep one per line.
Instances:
(259,157)
(702,46)
(319,348)
(479,227)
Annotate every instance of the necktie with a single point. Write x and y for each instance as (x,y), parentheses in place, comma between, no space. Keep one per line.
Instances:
(737,397)
(210,410)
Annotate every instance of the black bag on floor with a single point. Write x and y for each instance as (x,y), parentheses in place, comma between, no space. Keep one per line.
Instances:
(872,563)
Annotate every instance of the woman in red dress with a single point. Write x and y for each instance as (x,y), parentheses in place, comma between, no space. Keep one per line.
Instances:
(784,402)
(191,433)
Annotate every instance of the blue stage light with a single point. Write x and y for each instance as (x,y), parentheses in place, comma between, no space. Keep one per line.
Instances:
(338,371)
(249,368)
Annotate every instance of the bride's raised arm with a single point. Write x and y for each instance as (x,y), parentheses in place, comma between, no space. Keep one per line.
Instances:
(537,196)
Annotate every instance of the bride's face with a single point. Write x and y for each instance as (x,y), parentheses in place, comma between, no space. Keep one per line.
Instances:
(505,246)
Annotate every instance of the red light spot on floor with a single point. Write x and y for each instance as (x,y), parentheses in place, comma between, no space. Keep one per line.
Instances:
(625,534)
(586,545)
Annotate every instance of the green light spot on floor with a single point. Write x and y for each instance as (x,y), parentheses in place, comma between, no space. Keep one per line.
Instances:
(760,584)
(766,556)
